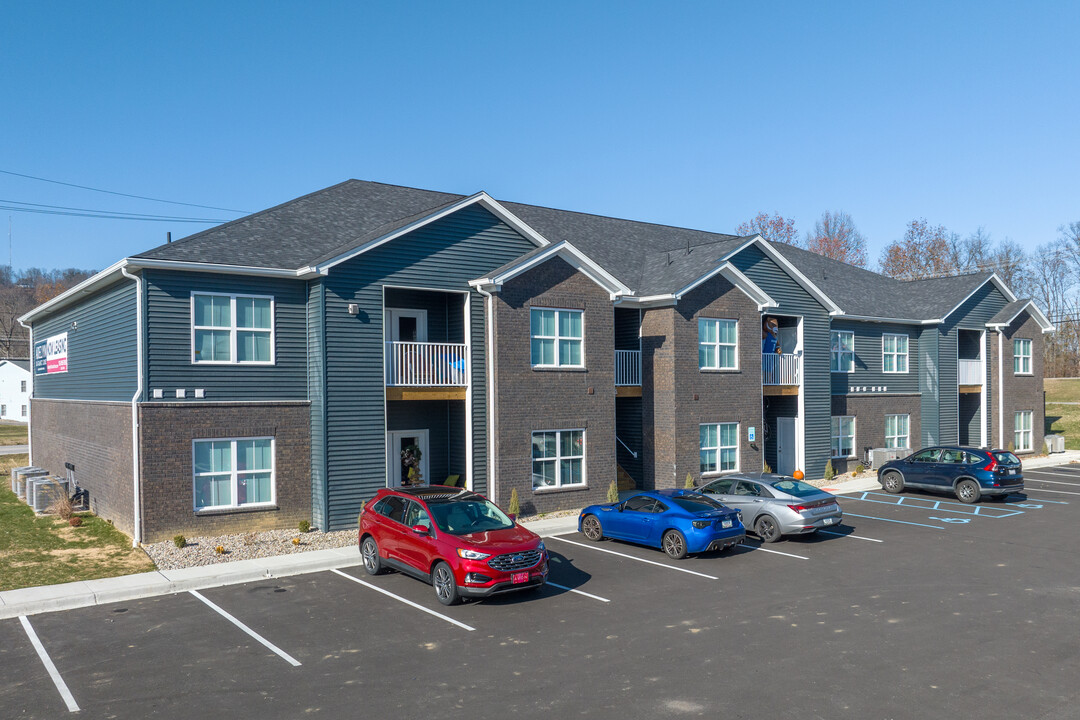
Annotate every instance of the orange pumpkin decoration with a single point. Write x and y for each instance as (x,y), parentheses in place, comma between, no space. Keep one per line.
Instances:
(798,475)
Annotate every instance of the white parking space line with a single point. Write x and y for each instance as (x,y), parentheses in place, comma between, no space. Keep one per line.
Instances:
(853,537)
(1057,492)
(58,681)
(774,552)
(902,522)
(1052,482)
(269,645)
(579,592)
(1028,498)
(450,620)
(631,557)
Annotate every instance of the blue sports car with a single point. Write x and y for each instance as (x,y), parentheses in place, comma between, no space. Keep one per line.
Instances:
(677,521)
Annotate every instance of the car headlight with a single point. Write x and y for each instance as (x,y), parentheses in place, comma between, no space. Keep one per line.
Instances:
(541,546)
(472,554)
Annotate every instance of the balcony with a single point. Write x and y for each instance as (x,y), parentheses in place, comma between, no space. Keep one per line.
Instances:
(426,366)
(970,375)
(781,374)
(628,373)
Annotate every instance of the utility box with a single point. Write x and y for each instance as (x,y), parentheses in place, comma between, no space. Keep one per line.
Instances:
(880,456)
(22,475)
(47,490)
(1055,443)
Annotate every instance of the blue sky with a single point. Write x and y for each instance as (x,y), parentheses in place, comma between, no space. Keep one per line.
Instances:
(695,114)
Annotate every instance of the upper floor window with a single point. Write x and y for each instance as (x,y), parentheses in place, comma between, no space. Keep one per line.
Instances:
(894,353)
(843,351)
(1022,357)
(718,343)
(233,473)
(557,338)
(232,329)
(719,447)
(22,386)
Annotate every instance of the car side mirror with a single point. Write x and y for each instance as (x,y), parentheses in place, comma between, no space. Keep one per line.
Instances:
(620,506)
(421,530)
(512,516)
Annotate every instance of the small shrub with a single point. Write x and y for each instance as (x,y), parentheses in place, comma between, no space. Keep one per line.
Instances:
(1012,447)
(220,549)
(179,541)
(829,472)
(305,526)
(613,492)
(515,504)
(860,468)
(62,507)
(689,485)
(74,521)
(765,467)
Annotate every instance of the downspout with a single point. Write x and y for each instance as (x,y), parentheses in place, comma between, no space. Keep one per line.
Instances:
(136,514)
(30,402)
(1001,390)
(490,371)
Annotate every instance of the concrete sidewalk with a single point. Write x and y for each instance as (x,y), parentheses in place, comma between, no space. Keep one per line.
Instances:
(50,598)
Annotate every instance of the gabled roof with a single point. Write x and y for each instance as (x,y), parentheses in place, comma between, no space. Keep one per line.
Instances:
(1010,312)
(24,364)
(562,249)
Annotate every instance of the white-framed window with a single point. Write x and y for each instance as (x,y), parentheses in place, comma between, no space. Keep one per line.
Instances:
(718,344)
(843,436)
(1021,357)
(558,459)
(1022,431)
(896,431)
(3,410)
(232,329)
(22,386)
(894,354)
(557,337)
(232,473)
(843,350)
(719,447)
(24,411)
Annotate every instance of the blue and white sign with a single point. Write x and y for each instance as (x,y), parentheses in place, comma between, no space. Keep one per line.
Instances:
(51,355)
(751,434)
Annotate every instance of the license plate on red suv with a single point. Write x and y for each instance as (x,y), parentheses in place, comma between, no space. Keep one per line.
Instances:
(518,578)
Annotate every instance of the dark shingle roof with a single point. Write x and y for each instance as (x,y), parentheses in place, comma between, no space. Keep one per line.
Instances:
(24,364)
(1008,313)
(648,258)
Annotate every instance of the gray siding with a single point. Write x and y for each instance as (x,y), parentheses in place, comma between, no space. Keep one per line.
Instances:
(817,384)
(929,386)
(169,365)
(444,255)
(316,354)
(868,359)
(102,347)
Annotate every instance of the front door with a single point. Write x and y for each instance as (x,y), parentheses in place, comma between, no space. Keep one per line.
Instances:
(406,325)
(785,445)
(397,441)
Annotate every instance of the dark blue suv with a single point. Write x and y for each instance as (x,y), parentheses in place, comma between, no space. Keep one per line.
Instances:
(967,472)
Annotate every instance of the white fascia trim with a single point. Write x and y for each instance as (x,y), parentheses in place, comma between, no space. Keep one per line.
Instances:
(1009,297)
(1035,312)
(574,257)
(736,278)
(899,321)
(649,301)
(107,276)
(481,198)
(790,269)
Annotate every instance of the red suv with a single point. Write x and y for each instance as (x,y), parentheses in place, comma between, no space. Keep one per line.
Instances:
(454,539)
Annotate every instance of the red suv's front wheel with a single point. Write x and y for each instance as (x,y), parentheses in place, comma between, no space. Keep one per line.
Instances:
(442,579)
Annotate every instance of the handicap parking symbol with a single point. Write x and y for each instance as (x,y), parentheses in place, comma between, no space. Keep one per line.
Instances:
(951,520)
(1028,505)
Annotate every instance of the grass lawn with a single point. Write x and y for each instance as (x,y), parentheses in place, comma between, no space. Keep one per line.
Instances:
(13,434)
(1063,419)
(47,550)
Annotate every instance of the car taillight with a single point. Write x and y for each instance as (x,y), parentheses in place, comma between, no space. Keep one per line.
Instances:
(699,524)
(992,466)
(799,508)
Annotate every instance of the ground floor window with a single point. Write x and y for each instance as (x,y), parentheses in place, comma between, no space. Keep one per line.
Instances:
(233,473)
(843,436)
(24,411)
(896,431)
(719,447)
(1022,434)
(558,458)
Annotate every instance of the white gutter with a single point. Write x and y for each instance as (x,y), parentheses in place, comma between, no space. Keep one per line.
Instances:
(136,514)
(1001,390)
(489,369)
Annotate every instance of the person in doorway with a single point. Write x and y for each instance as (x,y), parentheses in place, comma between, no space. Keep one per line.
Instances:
(770,342)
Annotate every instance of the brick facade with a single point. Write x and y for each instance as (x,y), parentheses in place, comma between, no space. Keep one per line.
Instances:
(678,396)
(96,438)
(1022,392)
(166,434)
(528,399)
(869,412)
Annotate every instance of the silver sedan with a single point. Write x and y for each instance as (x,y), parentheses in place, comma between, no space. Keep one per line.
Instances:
(775,505)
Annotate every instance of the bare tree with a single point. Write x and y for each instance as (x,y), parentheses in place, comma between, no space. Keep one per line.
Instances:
(774,228)
(835,236)
(923,252)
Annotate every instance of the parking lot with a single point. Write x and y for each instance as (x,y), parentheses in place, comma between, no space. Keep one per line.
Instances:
(918,606)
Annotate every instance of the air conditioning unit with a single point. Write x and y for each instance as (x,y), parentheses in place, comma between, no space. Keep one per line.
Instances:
(880,456)
(1055,443)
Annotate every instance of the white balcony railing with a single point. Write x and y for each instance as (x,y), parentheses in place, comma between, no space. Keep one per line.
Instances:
(781,369)
(627,367)
(417,364)
(970,372)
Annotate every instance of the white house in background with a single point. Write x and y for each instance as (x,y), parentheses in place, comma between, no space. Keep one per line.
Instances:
(16,382)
